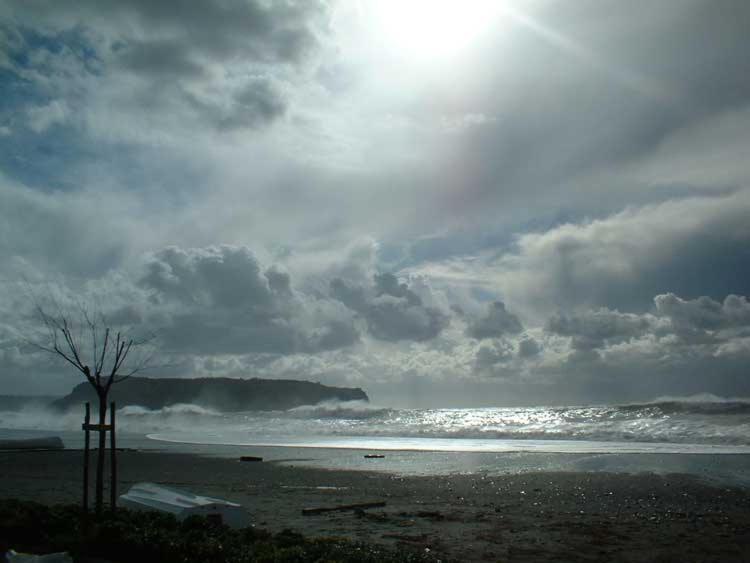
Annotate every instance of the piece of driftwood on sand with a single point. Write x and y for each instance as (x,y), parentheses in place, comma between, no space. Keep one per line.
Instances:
(359,506)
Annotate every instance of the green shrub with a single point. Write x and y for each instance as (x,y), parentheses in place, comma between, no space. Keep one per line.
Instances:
(142,537)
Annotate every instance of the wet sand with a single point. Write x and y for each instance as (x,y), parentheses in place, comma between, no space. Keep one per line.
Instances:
(541,516)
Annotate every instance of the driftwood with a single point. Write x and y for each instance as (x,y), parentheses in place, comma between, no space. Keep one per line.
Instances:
(434,514)
(360,506)
(250,458)
(421,538)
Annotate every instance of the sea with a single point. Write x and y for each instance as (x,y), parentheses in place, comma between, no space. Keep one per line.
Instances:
(703,435)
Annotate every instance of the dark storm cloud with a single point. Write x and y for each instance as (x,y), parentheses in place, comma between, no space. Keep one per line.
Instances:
(392,319)
(528,348)
(353,297)
(217,300)
(279,282)
(162,58)
(259,101)
(682,347)
(679,327)
(575,164)
(497,321)
(704,313)
(592,329)
(492,357)
(390,309)
(690,247)
(264,31)
(220,63)
(225,276)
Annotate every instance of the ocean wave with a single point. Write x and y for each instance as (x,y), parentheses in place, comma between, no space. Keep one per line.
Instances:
(699,419)
(703,404)
(352,410)
(667,433)
(171,410)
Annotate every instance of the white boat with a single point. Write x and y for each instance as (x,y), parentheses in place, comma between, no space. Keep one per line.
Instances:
(149,496)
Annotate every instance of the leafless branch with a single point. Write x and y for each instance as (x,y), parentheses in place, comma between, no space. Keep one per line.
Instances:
(111,352)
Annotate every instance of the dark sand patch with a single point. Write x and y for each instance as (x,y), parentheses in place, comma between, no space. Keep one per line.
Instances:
(527,517)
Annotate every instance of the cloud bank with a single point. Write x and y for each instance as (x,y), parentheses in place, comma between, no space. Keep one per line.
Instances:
(557,212)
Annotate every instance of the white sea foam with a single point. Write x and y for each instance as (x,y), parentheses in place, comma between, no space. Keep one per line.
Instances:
(463,445)
(696,422)
(171,410)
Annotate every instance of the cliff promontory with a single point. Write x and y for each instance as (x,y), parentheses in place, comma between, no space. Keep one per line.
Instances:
(218,393)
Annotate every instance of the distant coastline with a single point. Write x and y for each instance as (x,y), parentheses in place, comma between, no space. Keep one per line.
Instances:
(14,403)
(220,393)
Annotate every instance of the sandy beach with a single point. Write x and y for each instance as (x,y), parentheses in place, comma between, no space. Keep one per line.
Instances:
(538,516)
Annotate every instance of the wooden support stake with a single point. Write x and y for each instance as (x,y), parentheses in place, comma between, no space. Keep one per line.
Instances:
(97,427)
(113,468)
(86,446)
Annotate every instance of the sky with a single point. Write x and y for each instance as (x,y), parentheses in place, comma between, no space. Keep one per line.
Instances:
(444,202)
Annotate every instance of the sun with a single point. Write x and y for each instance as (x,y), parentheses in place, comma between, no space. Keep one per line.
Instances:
(431,29)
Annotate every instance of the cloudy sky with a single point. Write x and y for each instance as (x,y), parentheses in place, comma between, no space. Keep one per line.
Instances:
(444,202)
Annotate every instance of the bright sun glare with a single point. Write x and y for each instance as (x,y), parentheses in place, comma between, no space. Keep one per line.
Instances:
(432,28)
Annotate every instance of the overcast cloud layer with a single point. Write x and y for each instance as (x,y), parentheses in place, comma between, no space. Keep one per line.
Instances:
(556,212)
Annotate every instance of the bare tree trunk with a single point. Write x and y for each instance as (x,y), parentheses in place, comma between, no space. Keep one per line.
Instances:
(100,458)
(102,364)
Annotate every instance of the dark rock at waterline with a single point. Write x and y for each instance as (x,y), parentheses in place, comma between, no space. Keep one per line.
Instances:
(217,393)
(47,443)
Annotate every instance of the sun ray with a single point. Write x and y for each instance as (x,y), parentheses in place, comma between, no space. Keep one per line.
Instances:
(431,29)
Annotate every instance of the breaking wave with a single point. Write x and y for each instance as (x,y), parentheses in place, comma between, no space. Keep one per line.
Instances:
(701,419)
(697,404)
(171,410)
(694,420)
(357,410)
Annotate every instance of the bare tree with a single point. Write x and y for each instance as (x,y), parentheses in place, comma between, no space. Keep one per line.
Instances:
(103,354)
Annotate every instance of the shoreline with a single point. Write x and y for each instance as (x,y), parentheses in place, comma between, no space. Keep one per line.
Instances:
(725,469)
(469,445)
(528,516)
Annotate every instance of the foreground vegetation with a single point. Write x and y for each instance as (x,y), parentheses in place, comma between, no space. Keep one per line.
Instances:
(150,536)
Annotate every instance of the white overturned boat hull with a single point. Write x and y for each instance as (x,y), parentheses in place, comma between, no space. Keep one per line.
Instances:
(149,496)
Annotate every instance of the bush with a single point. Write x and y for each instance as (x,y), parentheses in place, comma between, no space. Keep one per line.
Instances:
(142,537)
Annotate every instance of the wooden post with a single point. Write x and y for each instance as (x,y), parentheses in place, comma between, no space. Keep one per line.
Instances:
(113,459)
(99,488)
(86,446)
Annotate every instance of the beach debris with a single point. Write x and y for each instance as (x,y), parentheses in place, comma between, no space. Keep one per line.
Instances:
(61,557)
(250,458)
(342,507)
(48,443)
(149,496)
(377,516)
(315,487)
(419,538)
(432,514)
(374,456)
